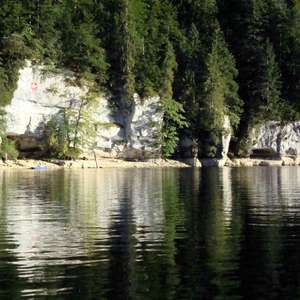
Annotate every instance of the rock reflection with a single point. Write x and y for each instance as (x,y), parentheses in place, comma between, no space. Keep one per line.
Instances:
(273,193)
(150,234)
(70,218)
(225,177)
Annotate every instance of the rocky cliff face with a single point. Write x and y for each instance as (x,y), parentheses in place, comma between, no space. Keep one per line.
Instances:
(41,95)
(281,140)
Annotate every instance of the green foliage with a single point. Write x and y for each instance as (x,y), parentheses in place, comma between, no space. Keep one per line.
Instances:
(125,43)
(8,149)
(205,59)
(57,136)
(172,110)
(160,28)
(173,120)
(73,129)
(7,146)
(290,58)
(270,86)
(259,35)
(81,48)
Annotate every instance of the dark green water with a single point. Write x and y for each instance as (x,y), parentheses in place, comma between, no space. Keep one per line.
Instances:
(150,234)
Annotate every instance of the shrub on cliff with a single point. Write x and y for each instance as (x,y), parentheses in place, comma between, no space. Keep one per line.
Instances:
(8,149)
(72,129)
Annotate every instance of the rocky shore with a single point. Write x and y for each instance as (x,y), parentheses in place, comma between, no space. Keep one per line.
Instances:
(51,164)
(91,164)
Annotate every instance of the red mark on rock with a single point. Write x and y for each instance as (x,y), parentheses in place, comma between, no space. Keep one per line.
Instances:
(34,85)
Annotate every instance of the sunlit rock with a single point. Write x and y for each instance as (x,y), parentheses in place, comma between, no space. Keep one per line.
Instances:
(42,94)
(283,140)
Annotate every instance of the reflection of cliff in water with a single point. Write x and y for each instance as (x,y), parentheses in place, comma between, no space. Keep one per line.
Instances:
(151,234)
(52,217)
(272,192)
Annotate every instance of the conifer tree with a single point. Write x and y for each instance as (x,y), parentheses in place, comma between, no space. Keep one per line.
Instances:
(291,60)
(219,97)
(270,85)
(202,56)
(82,51)
(13,47)
(125,43)
(198,21)
(160,28)
(172,110)
(206,77)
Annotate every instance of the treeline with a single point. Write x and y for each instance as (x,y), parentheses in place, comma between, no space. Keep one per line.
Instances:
(204,58)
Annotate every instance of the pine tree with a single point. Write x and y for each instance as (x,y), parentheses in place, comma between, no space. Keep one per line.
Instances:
(291,61)
(127,50)
(172,110)
(219,97)
(270,87)
(124,46)
(13,47)
(198,22)
(243,24)
(82,51)
(160,28)
(45,16)
(205,81)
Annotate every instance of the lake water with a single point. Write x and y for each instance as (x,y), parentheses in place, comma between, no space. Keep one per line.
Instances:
(150,234)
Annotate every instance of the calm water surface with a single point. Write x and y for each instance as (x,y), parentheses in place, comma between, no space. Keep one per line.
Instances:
(150,234)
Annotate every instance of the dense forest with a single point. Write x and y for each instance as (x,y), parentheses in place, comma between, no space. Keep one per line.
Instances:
(204,58)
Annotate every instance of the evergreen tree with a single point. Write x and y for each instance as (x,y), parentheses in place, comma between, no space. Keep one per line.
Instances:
(124,46)
(82,51)
(198,22)
(205,81)
(201,57)
(219,97)
(172,110)
(270,86)
(13,47)
(291,61)
(160,28)
(43,18)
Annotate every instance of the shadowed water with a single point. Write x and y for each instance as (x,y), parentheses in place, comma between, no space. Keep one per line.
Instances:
(150,234)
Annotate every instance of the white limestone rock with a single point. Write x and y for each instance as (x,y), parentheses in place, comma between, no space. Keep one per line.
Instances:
(36,98)
(283,140)
(226,138)
(41,95)
(145,127)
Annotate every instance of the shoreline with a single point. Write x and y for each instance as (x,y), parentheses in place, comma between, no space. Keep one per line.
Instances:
(102,163)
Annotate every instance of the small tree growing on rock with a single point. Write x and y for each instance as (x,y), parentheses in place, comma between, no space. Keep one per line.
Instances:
(74,128)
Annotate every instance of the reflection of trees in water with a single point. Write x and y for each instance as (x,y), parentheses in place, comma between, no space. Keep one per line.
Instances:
(135,225)
(152,234)
(211,253)
(143,244)
(122,245)
(8,270)
(136,267)
(269,258)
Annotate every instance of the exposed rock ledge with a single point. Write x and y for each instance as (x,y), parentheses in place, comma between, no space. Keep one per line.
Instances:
(282,140)
(250,162)
(40,95)
(89,164)
(150,163)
